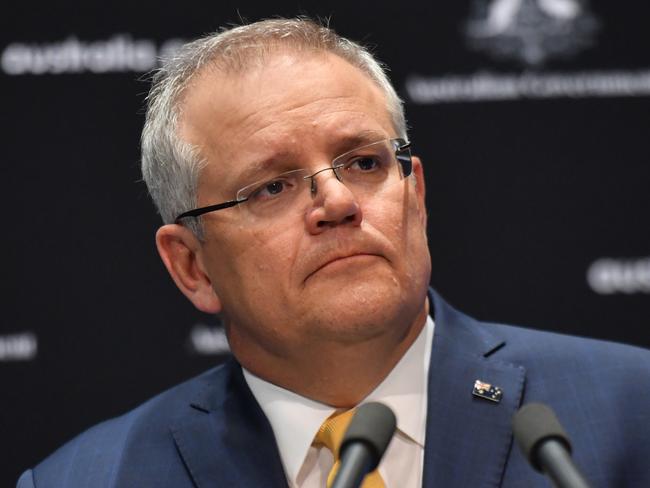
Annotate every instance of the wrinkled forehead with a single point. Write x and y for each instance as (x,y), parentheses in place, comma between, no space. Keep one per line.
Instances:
(277,100)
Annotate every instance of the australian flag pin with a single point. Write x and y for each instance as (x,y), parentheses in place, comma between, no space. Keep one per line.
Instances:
(487,391)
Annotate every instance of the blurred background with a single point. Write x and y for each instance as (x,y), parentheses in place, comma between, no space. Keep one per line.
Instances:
(532,118)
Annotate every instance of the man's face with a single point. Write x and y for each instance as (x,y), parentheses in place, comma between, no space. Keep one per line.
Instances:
(340,268)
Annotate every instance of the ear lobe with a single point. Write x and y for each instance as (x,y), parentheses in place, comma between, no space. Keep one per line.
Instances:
(180,251)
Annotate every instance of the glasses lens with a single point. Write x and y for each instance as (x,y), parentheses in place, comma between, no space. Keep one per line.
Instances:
(370,168)
(274,196)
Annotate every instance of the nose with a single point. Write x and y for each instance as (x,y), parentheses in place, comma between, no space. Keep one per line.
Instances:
(332,205)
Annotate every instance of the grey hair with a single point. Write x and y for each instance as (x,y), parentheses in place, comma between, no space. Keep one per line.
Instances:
(170,165)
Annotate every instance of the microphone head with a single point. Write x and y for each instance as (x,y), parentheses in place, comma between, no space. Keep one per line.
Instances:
(373,424)
(533,424)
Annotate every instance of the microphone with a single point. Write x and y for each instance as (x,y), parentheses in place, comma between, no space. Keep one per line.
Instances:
(364,443)
(546,446)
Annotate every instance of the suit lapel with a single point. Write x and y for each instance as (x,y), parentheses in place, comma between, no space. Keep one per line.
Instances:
(225,439)
(468,438)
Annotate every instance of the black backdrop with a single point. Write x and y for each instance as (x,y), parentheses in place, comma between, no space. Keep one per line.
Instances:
(534,132)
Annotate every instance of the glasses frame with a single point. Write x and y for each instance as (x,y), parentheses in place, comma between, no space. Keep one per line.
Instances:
(402,154)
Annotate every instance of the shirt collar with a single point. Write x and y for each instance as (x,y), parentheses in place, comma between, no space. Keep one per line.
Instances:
(296,419)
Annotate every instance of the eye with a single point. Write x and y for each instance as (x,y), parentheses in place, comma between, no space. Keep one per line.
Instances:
(272,189)
(363,164)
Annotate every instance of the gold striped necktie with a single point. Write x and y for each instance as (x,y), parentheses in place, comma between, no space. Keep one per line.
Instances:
(330,435)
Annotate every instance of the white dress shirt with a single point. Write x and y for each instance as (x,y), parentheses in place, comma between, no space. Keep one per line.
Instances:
(296,419)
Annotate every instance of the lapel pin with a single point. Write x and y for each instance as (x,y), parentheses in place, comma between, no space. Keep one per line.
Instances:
(487,391)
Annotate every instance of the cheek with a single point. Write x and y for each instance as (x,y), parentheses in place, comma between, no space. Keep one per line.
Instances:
(400,220)
(397,215)
(266,257)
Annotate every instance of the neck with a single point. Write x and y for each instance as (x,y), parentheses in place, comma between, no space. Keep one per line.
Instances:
(335,373)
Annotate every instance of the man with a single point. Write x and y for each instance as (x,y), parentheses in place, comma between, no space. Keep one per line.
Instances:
(278,157)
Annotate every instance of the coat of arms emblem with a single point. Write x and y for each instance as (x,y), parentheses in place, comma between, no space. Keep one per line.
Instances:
(531,31)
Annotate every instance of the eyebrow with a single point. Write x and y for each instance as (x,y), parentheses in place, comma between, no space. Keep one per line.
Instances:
(351,142)
(278,163)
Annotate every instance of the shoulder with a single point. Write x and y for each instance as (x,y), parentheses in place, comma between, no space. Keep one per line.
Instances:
(529,347)
(599,392)
(553,361)
(559,369)
(95,457)
(571,354)
(598,389)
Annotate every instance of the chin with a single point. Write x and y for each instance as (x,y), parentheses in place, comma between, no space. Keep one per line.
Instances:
(358,309)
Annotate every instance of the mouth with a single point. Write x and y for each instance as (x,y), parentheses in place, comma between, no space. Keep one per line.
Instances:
(342,263)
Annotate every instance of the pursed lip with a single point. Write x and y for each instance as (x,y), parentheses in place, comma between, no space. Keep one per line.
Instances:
(339,257)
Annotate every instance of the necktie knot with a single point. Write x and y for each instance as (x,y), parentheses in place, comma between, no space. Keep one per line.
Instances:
(331,435)
(331,431)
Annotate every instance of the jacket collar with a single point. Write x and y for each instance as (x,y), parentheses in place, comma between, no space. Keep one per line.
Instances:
(225,439)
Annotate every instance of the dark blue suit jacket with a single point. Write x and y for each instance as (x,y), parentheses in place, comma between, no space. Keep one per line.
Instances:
(210,431)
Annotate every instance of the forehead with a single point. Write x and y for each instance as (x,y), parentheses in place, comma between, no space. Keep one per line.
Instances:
(292,103)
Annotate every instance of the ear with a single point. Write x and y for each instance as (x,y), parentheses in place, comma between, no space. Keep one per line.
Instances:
(181,252)
(418,172)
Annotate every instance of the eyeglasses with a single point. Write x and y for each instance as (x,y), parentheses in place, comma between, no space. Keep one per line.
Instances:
(365,170)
